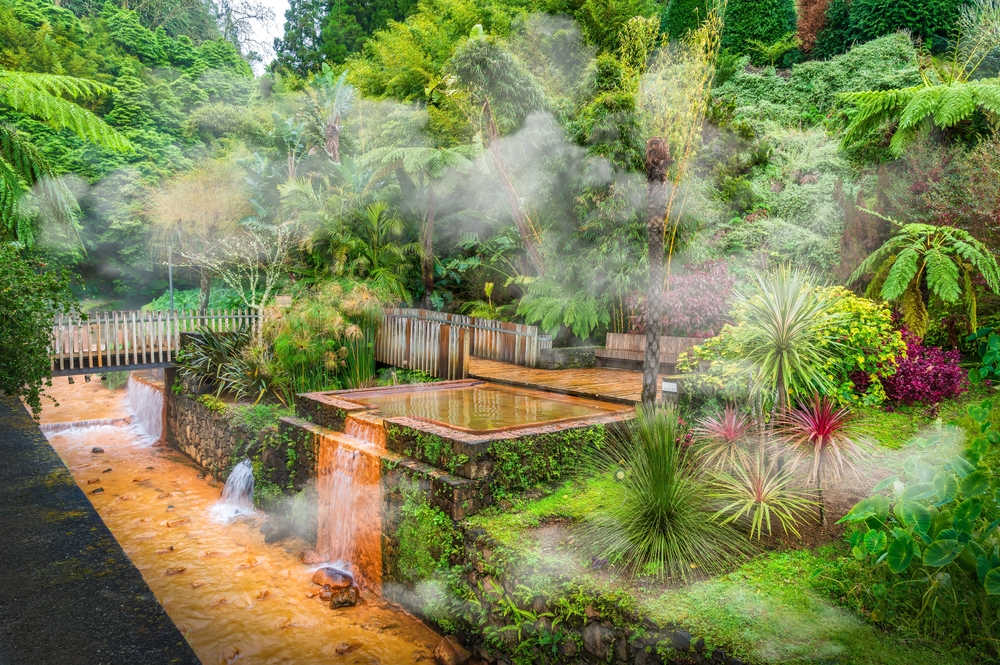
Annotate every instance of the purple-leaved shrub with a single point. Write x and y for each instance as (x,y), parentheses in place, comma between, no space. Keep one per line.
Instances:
(927,374)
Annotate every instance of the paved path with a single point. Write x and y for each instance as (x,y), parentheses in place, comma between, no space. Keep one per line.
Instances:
(616,385)
(68,593)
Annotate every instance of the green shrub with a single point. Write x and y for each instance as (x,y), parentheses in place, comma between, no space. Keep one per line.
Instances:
(927,19)
(809,94)
(866,344)
(765,21)
(683,16)
(257,417)
(114,380)
(927,540)
(835,36)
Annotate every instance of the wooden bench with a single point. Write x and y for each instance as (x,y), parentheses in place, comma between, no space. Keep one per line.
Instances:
(627,351)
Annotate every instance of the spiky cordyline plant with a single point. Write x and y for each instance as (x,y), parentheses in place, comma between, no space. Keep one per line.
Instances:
(719,439)
(785,316)
(660,520)
(817,429)
(756,491)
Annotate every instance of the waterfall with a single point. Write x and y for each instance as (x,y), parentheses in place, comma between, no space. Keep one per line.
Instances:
(366,428)
(237,495)
(145,400)
(350,516)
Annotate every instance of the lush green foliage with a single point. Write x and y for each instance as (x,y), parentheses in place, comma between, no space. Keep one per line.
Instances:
(945,259)
(425,535)
(28,304)
(660,521)
(762,21)
(935,533)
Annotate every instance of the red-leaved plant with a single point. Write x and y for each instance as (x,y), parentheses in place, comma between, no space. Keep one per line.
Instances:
(818,429)
(696,303)
(719,438)
(927,374)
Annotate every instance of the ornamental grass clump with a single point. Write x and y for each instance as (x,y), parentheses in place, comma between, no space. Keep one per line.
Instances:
(661,519)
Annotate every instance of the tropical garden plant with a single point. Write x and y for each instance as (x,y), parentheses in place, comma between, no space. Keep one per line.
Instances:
(944,259)
(29,302)
(949,93)
(783,340)
(933,529)
(661,518)
(56,100)
(757,490)
(720,439)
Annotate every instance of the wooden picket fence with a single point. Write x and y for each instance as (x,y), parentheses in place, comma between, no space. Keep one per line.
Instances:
(131,340)
(440,343)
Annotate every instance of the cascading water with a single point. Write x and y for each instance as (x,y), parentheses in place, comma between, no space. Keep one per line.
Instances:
(350,507)
(367,429)
(237,495)
(146,403)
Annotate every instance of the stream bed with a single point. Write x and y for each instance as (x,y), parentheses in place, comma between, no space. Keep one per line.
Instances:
(235,599)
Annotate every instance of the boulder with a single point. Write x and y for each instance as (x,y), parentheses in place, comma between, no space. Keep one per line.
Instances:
(310,556)
(275,529)
(597,640)
(97,451)
(333,578)
(344,597)
(680,640)
(450,651)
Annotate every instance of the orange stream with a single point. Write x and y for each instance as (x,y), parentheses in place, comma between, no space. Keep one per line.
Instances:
(237,599)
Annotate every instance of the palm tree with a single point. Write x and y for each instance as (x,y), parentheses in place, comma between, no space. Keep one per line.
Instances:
(330,100)
(942,257)
(53,99)
(429,166)
(948,95)
(371,246)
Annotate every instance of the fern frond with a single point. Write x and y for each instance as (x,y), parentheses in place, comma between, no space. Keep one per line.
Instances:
(875,107)
(37,101)
(901,275)
(924,103)
(53,84)
(958,101)
(942,275)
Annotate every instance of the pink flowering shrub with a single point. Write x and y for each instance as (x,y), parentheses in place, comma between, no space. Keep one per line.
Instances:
(927,374)
(697,304)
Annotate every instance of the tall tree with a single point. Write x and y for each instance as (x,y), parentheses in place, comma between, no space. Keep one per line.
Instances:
(673,97)
(428,166)
(330,100)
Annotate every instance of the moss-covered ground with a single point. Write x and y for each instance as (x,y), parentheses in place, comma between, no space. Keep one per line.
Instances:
(785,606)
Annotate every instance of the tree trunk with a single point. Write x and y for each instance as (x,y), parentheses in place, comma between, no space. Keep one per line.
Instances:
(657,163)
(427,244)
(333,139)
(206,287)
(520,219)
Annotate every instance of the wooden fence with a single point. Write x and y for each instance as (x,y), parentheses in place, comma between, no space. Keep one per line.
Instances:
(514,343)
(127,340)
(433,346)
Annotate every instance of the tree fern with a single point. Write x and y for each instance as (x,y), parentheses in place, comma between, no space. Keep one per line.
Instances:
(50,98)
(942,257)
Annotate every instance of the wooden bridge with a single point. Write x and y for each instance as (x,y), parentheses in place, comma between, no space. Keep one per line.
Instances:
(132,340)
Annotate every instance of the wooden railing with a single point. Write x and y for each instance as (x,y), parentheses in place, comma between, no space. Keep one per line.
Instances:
(127,340)
(496,340)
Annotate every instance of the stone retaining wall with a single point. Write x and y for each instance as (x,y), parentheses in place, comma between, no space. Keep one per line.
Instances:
(200,433)
(572,357)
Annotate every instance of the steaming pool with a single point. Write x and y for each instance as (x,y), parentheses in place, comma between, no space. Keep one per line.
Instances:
(477,407)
